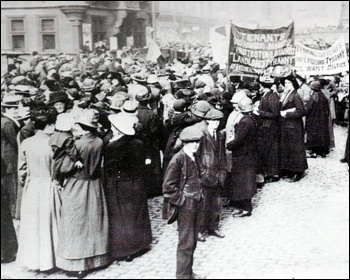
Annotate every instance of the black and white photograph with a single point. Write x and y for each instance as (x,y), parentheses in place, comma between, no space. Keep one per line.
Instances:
(175,140)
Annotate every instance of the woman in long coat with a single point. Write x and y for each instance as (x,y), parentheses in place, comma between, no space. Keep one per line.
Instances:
(83,235)
(130,228)
(269,138)
(150,136)
(40,206)
(317,122)
(244,159)
(293,153)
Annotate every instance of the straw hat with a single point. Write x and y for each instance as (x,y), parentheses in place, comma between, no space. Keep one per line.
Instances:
(89,117)
(130,107)
(238,96)
(64,122)
(122,122)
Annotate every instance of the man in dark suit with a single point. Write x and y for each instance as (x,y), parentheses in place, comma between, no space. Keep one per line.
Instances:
(212,155)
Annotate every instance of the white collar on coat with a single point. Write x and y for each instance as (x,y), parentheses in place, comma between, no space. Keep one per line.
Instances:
(187,152)
(285,97)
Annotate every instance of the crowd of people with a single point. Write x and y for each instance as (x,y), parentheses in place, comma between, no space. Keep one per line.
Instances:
(86,139)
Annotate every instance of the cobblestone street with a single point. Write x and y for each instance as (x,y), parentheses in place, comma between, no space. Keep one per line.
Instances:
(297,230)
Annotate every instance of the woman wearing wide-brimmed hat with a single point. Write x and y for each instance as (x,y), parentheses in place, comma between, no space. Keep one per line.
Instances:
(59,100)
(293,162)
(83,236)
(125,162)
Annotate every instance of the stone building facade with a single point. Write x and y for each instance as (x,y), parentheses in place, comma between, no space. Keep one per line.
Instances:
(64,26)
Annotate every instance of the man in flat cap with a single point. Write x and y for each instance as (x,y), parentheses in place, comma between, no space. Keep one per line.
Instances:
(213,173)
(182,188)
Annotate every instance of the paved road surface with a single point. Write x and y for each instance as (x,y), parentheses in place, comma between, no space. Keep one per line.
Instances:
(297,230)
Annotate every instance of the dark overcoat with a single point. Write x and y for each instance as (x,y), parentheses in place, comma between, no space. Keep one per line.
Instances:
(213,159)
(317,125)
(244,158)
(130,228)
(9,153)
(150,135)
(9,244)
(268,136)
(293,153)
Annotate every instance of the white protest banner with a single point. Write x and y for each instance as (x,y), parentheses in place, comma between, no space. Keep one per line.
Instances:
(153,51)
(322,62)
(219,41)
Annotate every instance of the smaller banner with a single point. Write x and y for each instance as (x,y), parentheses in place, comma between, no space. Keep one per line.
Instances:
(113,43)
(219,41)
(322,62)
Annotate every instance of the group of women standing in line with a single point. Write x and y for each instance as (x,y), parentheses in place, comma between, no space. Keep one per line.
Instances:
(81,224)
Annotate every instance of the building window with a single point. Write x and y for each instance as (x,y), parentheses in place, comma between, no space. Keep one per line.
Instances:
(48,34)
(99,29)
(17,34)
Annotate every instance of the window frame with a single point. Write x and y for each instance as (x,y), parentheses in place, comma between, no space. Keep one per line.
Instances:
(18,33)
(53,32)
(101,35)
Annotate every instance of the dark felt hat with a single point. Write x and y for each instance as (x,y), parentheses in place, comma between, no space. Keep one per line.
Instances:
(179,105)
(44,113)
(182,83)
(290,78)
(58,96)
(52,85)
